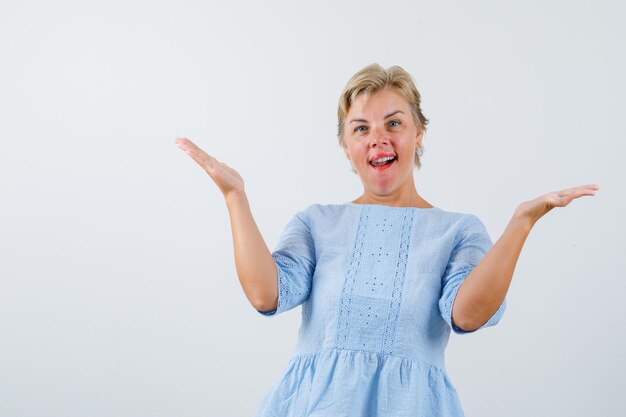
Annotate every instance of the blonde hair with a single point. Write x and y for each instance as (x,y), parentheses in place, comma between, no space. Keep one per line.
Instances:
(373,78)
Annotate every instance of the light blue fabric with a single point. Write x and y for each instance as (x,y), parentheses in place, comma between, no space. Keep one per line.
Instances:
(376,284)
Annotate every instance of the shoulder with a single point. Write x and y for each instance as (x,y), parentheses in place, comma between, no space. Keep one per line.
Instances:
(328,216)
(318,210)
(460,218)
(456,219)
(469,229)
(330,206)
(459,226)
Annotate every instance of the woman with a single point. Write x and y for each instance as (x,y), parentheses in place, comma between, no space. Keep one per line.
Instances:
(383,279)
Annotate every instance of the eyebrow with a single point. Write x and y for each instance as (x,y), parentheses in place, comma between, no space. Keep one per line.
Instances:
(386,117)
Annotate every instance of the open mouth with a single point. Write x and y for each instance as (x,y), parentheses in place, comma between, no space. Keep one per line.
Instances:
(384,164)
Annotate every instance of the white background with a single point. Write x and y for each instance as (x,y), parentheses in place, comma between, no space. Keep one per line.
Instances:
(118,291)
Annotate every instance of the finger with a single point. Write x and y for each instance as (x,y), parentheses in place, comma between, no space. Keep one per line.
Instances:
(581,189)
(592,186)
(565,192)
(197,154)
(185,144)
(193,148)
(566,197)
(589,189)
(205,160)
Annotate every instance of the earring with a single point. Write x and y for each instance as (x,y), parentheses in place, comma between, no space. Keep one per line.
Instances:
(419,151)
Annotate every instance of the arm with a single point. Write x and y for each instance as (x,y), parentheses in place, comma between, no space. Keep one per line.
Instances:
(255,265)
(485,287)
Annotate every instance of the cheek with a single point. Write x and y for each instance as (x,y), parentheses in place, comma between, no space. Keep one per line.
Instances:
(355,149)
(407,147)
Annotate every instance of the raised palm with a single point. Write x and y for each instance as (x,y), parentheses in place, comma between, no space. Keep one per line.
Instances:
(534,209)
(227,179)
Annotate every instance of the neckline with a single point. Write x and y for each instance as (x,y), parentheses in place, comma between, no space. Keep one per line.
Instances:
(350,203)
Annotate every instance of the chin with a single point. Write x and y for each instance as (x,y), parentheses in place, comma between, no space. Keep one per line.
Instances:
(382,190)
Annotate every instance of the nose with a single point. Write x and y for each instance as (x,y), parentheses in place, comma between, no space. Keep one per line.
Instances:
(378,136)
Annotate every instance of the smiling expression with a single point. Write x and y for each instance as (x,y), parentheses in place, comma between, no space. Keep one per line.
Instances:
(378,126)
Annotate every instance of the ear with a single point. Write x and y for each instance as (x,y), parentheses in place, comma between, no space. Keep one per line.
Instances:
(345,150)
(419,136)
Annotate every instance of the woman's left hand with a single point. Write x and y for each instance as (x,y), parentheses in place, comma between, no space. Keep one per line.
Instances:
(533,210)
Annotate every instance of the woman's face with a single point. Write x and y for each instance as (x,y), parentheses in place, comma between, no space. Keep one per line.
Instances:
(382,125)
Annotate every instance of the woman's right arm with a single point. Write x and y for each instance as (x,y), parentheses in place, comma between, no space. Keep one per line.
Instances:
(256,268)
(255,265)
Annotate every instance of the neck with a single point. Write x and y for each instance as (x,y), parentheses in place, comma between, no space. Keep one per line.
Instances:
(402,198)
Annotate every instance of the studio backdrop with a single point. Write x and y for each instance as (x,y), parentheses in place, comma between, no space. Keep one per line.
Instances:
(118,290)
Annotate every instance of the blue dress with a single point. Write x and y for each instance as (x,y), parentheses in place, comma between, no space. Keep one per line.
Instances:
(376,284)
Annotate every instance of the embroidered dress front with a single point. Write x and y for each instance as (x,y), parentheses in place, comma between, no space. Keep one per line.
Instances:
(376,284)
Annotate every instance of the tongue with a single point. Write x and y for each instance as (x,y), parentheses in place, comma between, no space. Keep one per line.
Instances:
(380,164)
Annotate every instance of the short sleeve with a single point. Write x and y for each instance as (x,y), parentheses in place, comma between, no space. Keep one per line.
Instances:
(472,246)
(295,261)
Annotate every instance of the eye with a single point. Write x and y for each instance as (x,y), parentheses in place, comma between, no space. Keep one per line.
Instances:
(394,123)
(360,128)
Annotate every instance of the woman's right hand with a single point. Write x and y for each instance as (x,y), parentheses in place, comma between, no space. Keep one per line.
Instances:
(227,179)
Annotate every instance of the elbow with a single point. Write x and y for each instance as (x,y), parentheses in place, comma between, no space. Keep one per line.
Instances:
(468,327)
(465,323)
(264,304)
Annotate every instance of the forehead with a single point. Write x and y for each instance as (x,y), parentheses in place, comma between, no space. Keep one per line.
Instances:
(378,104)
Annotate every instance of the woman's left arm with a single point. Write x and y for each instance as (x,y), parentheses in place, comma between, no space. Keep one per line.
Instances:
(484,289)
